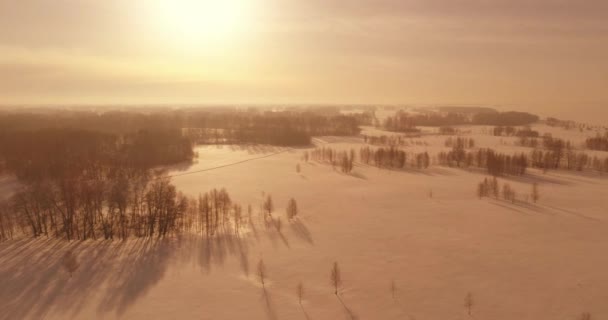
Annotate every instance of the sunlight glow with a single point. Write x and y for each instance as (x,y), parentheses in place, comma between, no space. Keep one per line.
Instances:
(202,22)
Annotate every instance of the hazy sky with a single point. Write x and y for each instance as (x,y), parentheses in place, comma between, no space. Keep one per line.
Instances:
(507,52)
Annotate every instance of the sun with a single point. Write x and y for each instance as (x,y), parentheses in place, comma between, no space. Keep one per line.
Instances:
(202,22)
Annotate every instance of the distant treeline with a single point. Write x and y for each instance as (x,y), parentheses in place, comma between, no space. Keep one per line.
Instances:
(204,126)
(282,128)
(392,140)
(406,122)
(512,131)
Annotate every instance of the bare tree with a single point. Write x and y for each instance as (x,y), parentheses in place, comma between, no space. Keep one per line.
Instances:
(535,193)
(335,277)
(300,292)
(468,303)
(292,209)
(495,187)
(268,205)
(262,272)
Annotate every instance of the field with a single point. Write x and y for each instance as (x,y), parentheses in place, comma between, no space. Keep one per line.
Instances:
(411,244)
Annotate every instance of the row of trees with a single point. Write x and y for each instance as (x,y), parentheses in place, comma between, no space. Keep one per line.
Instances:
(491,188)
(598,142)
(459,142)
(337,158)
(393,158)
(395,140)
(385,140)
(495,163)
(142,207)
(512,131)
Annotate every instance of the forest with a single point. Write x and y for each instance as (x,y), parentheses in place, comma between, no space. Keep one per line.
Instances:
(202,126)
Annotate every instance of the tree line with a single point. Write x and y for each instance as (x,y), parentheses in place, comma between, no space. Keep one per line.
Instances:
(598,142)
(142,206)
(495,163)
(498,164)
(491,188)
(403,121)
(209,125)
(393,158)
(337,158)
(510,131)
(114,208)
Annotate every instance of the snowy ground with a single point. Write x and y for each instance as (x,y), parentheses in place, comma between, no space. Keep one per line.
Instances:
(519,261)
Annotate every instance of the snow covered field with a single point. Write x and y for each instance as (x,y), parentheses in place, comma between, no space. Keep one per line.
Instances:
(519,261)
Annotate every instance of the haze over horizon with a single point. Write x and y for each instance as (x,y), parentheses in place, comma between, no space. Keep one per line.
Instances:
(546,56)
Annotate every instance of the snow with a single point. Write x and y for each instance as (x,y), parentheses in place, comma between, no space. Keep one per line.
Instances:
(519,261)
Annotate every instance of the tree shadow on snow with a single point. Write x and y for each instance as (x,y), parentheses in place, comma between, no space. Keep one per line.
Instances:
(347,311)
(35,283)
(301,231)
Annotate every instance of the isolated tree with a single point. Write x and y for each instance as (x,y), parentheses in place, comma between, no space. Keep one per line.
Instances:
(468,303)
(481,190)
(237,218)
(508,193)
(298,169)
(335,277)
(292,209)
(495,188)
(70,263)
(300,292)
(393,288)
(262,273)
(268,205)
(535,193)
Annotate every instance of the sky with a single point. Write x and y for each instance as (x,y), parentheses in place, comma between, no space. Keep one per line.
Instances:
(546,54)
